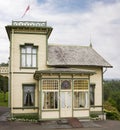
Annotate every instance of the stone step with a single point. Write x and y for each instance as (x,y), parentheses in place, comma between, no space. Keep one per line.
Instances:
(75,123)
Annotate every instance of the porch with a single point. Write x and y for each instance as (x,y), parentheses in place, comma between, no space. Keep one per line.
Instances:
(63,93)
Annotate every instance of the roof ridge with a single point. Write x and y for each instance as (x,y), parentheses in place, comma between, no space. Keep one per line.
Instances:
(68,45)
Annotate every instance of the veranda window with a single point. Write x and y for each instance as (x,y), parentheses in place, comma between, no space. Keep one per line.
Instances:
(50,100)
(49,94)
(81,94)
(80,99)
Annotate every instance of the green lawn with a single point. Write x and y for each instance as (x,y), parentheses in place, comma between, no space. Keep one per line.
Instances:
(2,102)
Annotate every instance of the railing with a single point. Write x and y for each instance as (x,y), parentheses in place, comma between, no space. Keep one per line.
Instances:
(29,23)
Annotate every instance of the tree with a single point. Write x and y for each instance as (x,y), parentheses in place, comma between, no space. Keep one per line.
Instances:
(112,92)
(4,85)
(116,97)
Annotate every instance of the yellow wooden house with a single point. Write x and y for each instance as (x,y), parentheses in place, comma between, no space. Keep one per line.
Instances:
(52,81)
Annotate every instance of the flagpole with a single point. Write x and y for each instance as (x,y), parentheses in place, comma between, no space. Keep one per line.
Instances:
(27,9)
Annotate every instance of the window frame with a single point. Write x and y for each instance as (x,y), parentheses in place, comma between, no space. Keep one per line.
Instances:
(50,91)
(92,93)
(86,100)
(28,85)
(46,101)
(85,90)
(26,54)
(65,84)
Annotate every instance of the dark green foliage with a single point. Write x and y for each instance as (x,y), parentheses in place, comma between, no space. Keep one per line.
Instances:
(112,99)
(3,99)
(25,117)
(111,111)
(4,85)
(112,115)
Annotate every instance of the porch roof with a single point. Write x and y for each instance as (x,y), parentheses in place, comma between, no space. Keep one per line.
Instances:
(63,71)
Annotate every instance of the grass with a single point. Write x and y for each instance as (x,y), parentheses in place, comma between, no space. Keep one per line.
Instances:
(2,101)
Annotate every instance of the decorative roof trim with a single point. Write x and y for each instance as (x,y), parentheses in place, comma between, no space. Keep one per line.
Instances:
(63,71)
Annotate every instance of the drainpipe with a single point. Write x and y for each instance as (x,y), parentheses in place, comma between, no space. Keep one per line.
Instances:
(103,114)
(105,70)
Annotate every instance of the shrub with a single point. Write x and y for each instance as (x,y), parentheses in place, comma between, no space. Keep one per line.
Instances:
(111,111)
(112,115)
(25,117)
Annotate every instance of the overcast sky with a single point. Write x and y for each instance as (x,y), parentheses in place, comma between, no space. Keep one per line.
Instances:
(74,22)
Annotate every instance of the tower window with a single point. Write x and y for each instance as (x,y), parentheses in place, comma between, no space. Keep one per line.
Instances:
(29,56)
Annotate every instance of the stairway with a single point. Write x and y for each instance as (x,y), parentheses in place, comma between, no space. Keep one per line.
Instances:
(75,123)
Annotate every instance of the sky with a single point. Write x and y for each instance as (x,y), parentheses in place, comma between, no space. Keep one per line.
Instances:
(74,22)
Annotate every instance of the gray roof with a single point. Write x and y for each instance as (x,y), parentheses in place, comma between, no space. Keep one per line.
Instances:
(59,55)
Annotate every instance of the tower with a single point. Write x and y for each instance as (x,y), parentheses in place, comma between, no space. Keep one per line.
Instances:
(28,47)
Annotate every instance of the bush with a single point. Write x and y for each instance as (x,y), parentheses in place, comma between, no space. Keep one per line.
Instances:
(111,111)
(25,117)
(3,102)
(112,115)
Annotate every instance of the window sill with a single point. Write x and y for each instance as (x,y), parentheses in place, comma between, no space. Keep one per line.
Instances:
(29,107)
(28,67)
(50,109)
(32,107)
(82,108)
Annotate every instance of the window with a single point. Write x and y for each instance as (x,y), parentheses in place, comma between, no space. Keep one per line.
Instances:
(50,84)
(50,100)
(28,95)
(65,84)
(80,99)
(81,84)
(92,94)
(81,93)
(28,55)
(49,94)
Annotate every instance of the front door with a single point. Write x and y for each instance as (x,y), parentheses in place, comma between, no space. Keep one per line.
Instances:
(66,104)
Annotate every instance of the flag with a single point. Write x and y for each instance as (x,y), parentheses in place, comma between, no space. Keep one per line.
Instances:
(28,7)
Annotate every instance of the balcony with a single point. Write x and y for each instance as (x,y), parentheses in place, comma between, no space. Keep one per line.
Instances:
(29,23)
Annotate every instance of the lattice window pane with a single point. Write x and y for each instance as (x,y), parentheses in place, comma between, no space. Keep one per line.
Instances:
(80,84)
(50,85)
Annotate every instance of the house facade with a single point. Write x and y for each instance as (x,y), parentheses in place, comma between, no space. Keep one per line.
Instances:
(52,81)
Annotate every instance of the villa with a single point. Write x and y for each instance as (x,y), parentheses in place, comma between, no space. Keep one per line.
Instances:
(52,81)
